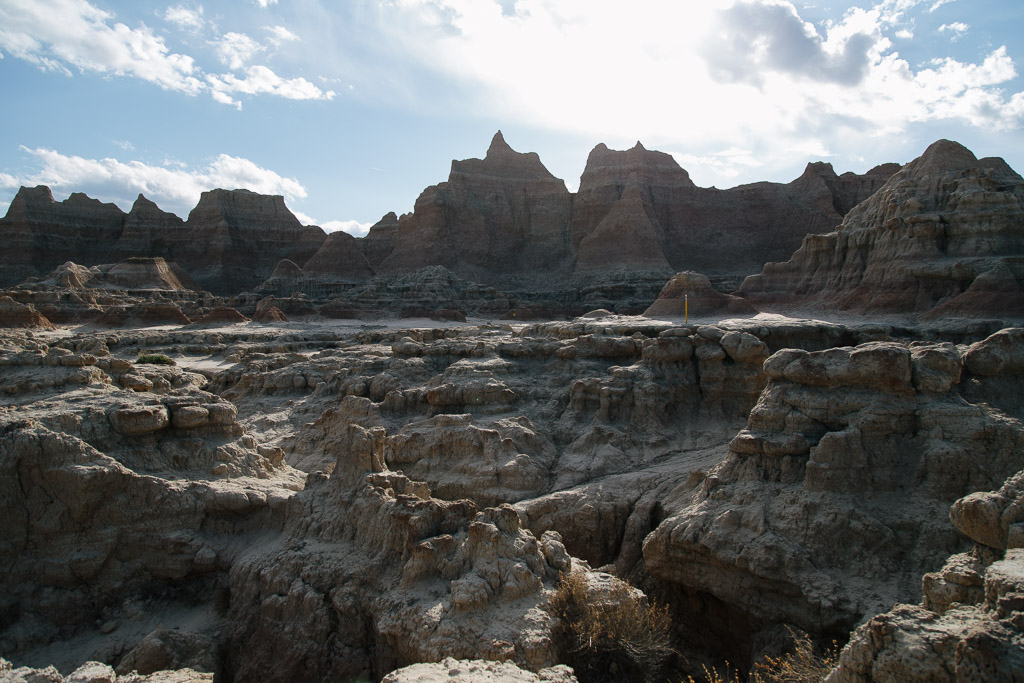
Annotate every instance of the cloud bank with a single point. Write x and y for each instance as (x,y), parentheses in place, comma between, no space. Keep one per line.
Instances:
(87,39)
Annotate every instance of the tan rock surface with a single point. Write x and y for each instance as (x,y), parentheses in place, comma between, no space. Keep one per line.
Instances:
(457,670)
(164,495)
(829,483)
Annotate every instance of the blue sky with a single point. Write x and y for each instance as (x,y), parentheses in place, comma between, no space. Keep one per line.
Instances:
(350,108)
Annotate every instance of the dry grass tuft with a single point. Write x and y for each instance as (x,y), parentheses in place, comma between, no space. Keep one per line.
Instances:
(800,666)
(611,634)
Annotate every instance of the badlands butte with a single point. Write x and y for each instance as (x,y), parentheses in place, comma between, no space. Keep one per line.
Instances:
(635,432)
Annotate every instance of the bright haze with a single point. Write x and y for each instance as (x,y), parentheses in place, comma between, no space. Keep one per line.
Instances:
(349,109)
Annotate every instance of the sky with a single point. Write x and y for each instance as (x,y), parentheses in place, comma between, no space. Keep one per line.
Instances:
(350,108)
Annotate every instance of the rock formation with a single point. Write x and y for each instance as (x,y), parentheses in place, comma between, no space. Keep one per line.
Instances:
(665,220)
(692,293)
(39,233)
(148,231)
(237,237)
(943,236)
(503,215)
(13,314)
(502,221)
(970,623)
(339,258)
(831,502)
(380,240)
(331,498)
(230,243)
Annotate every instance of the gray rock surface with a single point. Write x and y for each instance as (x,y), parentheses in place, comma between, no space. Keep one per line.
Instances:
(941,237)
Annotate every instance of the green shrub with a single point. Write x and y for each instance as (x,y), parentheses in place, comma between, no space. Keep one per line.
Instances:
(155,359)
(613,635)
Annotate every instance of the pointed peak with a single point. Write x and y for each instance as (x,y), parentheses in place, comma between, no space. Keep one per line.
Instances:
(498,145)
(142,202)
(639,147)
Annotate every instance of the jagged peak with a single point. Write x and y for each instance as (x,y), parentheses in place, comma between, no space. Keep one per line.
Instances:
(498,145)
(638,147)
(141,202)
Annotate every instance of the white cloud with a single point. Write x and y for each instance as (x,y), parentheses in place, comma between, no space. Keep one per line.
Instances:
(63,33)
(279,35)
(84,38)
(7,180)
(174,187)
(354,228)
(692,78)
(184,18)
(3,208)
(957,28)
(235,49)
(261,80)
(939,3)
(265,3)
(905,34)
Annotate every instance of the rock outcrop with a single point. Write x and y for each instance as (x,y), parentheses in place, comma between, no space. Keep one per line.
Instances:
(148,231)
(691,293)
(339,258)
(503,215)
(230,243)
(970,623)
(642,205)
(13,314)
(943,237)
(236,238)
(39,232)
(380,240)
(832,501)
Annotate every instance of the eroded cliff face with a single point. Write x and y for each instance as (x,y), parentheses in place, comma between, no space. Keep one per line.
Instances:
(372,498)
(640,209)
(503,215)
(231,242)
(943,236)
(39,232)
(323,500)
(237,237)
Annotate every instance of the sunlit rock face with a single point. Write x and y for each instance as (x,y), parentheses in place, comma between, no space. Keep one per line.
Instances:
(944,236)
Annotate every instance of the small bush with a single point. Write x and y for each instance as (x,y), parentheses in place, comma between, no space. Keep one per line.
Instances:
(800,666)
(615,637)
(155,359)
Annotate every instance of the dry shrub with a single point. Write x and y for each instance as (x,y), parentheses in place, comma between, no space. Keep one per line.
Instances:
(801,665)
(611,634)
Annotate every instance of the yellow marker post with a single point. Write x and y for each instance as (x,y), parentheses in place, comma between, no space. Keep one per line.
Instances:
(686,306)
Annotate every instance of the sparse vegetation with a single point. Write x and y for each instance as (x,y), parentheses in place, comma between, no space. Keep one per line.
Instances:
(614,637)
(801,665)
(155,359)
